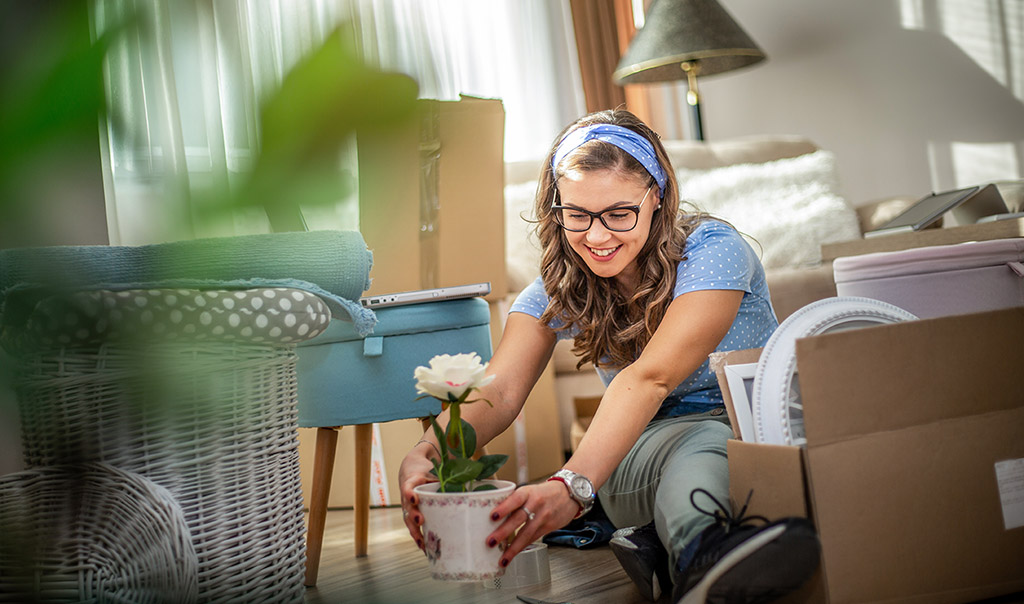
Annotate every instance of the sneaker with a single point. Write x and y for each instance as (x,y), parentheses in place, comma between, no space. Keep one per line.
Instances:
(644,558)
(736,562)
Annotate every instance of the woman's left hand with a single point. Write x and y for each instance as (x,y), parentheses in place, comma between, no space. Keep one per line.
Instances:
(534,510)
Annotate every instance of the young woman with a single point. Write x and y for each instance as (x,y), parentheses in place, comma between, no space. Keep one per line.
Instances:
(646,293)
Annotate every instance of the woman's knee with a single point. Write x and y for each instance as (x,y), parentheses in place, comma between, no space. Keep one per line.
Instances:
(712,436)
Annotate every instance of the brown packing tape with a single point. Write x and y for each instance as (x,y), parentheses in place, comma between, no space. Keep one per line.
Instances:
(471,216)
(432,210)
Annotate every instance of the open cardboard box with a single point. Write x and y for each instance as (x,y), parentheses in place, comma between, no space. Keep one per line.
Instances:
(913,471)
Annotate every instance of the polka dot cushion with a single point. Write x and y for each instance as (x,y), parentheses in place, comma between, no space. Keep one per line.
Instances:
(260,315)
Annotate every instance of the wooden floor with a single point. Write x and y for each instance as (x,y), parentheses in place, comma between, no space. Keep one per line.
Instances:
(396,571)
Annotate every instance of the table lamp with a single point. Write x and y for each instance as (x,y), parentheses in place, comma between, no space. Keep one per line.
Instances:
(685,39)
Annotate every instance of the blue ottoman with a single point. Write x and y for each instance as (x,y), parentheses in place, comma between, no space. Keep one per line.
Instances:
(345,379)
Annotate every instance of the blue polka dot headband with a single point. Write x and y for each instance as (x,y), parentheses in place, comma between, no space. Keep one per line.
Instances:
(624,138)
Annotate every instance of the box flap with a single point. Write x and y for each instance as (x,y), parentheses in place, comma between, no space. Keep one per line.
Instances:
(773,476)
(916,513)
(905,425)
(858,382)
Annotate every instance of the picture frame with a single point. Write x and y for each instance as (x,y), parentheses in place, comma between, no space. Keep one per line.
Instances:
(740,378)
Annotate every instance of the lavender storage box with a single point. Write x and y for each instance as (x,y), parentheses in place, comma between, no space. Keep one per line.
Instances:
(940,280)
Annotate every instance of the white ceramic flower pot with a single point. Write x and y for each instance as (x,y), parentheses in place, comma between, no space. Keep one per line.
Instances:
(455,530)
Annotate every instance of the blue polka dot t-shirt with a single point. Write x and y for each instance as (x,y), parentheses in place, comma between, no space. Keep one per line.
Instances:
(717,257)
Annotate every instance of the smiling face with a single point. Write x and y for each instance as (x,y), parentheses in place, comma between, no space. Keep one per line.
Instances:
(609,254)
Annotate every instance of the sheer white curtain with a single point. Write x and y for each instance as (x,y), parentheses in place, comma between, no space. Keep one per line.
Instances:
(521,51)
(187,90)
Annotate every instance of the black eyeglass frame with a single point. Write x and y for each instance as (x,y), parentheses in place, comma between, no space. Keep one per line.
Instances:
(556,211)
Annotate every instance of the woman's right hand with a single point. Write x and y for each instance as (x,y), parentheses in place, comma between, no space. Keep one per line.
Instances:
(414,471)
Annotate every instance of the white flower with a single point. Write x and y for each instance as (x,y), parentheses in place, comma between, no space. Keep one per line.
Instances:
(453,375)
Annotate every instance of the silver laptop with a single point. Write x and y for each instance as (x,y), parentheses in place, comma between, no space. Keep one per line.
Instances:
(427,295)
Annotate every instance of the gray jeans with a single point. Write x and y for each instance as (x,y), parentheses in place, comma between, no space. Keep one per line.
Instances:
(671,458)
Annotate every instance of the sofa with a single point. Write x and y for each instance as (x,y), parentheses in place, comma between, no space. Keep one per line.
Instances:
(780,191)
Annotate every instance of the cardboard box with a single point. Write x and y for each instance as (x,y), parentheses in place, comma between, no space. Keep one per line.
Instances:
(913,471)
(586,409)
(397,438)
(534,441)
(431,199)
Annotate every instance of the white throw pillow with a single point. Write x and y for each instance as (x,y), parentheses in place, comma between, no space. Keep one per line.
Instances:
(522,247)
(788,207)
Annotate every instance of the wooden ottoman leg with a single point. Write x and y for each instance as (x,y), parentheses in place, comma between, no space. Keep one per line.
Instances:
(323,470)
(364,437)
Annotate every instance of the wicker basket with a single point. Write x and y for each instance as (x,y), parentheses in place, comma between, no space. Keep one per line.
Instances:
(212,420)
(92,533)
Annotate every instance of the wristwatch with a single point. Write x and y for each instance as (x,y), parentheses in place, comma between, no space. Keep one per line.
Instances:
(580,489)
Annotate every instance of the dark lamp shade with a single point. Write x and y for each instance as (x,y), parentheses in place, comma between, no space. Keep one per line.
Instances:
(676,31)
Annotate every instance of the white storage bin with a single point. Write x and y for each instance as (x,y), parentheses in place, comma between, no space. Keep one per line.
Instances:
(940,280)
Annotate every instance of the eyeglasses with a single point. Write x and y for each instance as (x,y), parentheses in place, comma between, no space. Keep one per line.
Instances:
(620,218)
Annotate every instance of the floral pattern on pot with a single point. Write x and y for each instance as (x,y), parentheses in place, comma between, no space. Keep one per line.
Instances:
(467,576)
(457,500)
(455,528)
(432,546)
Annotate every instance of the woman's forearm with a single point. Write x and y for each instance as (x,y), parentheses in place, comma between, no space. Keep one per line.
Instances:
(627,406)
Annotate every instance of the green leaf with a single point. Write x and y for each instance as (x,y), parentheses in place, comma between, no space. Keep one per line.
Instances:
(477,400)
(469,439)
(439,434)
(491,464)
(463,470)
(487,486)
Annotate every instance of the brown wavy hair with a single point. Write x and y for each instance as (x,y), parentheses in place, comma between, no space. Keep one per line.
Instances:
(612,327)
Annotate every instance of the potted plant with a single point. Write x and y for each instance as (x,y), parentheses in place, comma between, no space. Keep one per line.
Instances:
(456,509)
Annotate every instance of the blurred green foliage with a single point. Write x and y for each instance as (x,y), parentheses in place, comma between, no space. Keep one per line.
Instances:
(52,99)
(52,95)
(323,100)
(51,92)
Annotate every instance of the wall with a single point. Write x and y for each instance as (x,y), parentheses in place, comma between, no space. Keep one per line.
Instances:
(904,107)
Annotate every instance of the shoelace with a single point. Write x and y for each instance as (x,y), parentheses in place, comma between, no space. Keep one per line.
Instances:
(723,515)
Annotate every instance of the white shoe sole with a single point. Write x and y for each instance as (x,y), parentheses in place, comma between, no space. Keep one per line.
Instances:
(698,594)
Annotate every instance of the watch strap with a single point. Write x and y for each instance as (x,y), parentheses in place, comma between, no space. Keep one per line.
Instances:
(565,476)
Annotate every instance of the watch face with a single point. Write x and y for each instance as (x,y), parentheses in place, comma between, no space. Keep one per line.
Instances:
(582,488)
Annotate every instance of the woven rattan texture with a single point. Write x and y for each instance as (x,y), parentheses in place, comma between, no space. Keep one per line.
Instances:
(92,533)
(212,421)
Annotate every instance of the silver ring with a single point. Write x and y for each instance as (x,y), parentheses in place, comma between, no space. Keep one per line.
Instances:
(529,514)
(405,513)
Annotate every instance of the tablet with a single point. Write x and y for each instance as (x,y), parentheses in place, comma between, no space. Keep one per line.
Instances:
(981,206)
(427,295)
(925,212)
